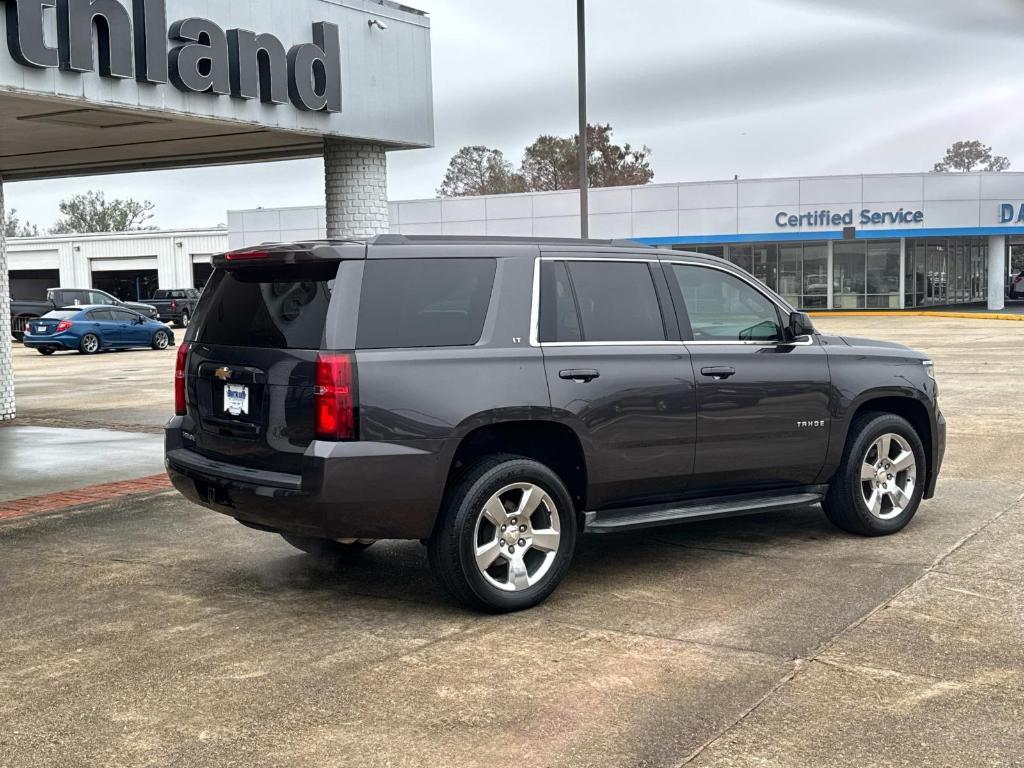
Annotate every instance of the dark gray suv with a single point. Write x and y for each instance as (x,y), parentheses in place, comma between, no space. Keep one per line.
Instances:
(497,397)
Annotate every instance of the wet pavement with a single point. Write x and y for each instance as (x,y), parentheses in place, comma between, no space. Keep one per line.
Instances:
(40,460)
(158,633)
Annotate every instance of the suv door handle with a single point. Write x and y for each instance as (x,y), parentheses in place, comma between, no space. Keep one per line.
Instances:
(718,373)
(579,374)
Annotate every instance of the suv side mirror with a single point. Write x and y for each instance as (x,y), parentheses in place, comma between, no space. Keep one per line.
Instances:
(800,324)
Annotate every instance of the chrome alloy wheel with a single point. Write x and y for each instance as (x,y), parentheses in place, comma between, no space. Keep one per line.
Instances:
(516,537)
(90,344)
(161,340)
(888,474)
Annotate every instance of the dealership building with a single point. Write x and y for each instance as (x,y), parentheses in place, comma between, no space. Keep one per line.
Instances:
(892,241)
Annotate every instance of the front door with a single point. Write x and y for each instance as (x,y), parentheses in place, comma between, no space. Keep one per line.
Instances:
(619,375)
(762,403)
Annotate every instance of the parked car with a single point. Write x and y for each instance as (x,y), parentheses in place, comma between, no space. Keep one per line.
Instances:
(22,312)
(497,397)
(1016,290)
(92,329)
(175,306)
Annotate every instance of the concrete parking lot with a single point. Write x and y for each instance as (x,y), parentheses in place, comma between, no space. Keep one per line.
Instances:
(151,632)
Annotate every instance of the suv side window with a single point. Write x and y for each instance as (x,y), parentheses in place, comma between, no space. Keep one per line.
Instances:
(559,318)
(617,301)
(424,302)
(721,307)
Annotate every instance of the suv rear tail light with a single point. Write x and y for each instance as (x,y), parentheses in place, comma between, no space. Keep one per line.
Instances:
(334,396)
(62,326)
(180,370)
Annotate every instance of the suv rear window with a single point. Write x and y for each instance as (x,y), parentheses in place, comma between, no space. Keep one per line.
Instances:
(424,302)
(279,307)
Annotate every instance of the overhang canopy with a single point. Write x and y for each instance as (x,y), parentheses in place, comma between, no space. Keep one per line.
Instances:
(144,85)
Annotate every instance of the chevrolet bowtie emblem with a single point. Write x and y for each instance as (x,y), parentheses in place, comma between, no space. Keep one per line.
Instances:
(223,373)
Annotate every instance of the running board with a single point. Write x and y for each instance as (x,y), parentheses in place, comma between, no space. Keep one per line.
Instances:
(615,520)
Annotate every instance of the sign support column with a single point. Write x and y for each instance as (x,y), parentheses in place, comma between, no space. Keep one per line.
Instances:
(356,181)
(7,410)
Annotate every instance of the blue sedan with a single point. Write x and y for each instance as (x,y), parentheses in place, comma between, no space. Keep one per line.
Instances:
(91,329)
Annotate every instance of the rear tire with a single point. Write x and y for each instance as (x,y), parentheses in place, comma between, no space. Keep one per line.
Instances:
(327,549)
(90,344)
(161,340)
(506,535)
(879,484)
(183,322)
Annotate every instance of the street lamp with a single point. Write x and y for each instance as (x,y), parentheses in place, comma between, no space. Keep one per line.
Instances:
(581,56)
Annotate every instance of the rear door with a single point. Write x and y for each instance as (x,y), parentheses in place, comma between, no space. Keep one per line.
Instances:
(251,363)
(619,374)
(102,323)
(762,403)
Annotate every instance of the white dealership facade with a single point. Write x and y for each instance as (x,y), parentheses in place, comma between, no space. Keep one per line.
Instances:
(888,241)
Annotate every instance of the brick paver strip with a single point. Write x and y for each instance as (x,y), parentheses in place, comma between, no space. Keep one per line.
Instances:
(91,494)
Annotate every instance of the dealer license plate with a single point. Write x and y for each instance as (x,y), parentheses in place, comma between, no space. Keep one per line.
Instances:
(236,399)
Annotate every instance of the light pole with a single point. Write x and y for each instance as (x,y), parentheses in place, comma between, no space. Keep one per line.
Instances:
(581,55)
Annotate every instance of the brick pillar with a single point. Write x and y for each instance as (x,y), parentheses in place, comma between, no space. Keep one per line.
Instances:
(6,361)
(357,189)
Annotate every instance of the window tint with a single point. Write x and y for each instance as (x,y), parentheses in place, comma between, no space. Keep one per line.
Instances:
(424,302)
(617,301)
(123,315)
(721,307)
(102,315)
(280,307)
(559,320)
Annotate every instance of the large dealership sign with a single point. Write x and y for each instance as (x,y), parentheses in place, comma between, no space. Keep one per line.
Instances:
(94,86)
(202,56)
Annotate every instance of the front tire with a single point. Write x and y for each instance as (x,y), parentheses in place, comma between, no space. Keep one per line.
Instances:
(183,321)
(506,535)
(90,344)
(878,487)
(160,340)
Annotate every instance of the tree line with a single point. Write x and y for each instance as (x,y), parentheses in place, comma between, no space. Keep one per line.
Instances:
(549,163)
(88,212)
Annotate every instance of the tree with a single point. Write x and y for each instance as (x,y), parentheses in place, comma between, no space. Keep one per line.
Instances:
(610,165)
(480,170)
(965,156)
(13,227)
(92,212)
(549,163)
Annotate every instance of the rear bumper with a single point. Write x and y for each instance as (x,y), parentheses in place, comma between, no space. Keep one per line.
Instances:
(54,342)
(346,490)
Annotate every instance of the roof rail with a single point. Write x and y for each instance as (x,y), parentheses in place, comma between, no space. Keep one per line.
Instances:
(396,239)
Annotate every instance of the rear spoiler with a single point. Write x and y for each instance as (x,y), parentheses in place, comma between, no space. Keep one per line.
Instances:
(274,254)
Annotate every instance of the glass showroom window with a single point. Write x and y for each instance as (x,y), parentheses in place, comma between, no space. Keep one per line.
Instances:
(883,274)
(765,264)
(791,273)
(815,276)
(848,275)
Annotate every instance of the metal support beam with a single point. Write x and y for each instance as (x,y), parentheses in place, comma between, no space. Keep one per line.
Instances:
(581,55)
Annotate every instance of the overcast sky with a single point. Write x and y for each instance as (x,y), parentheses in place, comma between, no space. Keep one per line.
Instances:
(750,87)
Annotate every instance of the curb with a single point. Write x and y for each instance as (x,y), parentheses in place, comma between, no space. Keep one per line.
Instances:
(911,313)
(91,494)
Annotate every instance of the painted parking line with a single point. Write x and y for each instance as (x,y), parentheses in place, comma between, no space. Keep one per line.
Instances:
(91,494)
